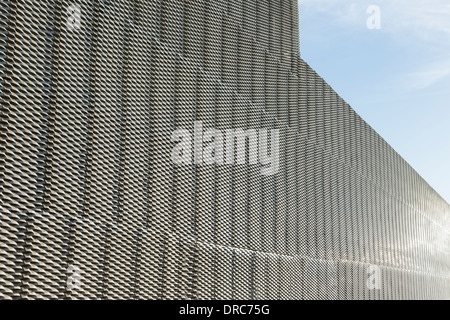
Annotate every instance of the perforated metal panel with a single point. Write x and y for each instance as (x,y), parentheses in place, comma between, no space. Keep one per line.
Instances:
(93,205)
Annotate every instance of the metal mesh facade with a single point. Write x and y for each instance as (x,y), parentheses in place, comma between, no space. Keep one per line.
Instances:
(88,186)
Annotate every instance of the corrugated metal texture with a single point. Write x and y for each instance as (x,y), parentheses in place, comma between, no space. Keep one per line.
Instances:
(94,207)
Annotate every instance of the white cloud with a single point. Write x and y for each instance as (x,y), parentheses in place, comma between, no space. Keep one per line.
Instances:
(415,23)
(427,19)
(428,77)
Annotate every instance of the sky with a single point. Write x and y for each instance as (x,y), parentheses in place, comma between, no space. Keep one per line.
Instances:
(397,77)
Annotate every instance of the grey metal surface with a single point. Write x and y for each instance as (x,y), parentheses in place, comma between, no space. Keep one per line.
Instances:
(92,206)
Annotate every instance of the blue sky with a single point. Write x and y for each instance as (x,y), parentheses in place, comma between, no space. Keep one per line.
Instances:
(397,78)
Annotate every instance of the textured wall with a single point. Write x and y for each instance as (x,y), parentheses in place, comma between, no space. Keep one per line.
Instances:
(88,187)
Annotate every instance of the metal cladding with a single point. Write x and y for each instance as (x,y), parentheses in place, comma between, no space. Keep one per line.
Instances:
(93,207)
